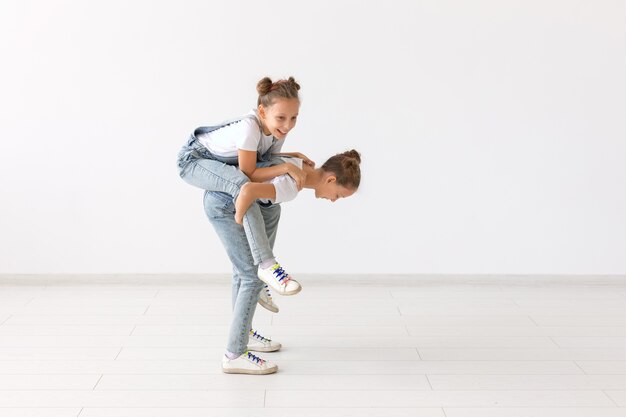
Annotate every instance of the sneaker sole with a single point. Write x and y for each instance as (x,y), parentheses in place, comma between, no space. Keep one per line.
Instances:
(265,349)
(250,371)
(269,307)
(293,292)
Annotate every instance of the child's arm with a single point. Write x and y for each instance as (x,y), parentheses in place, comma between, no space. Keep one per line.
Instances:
(248,194)
(247,164)
(280,190)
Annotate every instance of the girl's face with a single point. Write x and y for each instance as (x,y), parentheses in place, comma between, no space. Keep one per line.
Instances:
(330,190)
(279,118)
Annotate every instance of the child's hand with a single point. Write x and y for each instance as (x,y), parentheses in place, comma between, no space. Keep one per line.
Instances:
(306,160)
(298,175)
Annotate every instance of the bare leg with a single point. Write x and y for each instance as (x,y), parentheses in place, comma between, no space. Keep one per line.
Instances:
(249,192)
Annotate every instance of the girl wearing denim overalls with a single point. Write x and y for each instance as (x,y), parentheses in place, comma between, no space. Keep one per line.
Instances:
(224,157)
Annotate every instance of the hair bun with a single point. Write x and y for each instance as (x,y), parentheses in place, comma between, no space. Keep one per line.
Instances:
(347,168)
(293,82)
(353,154)
(270,91)
(264,86)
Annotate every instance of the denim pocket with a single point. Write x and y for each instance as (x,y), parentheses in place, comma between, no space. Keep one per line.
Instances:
(218,205)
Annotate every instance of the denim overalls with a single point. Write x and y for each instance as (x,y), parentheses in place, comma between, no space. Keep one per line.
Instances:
(200,168)
(195,150)
(245,247)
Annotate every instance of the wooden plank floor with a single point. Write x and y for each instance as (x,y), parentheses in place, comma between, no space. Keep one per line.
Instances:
(360,346)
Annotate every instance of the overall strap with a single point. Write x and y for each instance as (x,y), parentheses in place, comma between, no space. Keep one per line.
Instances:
(208,129)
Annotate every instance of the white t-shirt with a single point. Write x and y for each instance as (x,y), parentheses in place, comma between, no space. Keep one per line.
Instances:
(286,188)
(245,134)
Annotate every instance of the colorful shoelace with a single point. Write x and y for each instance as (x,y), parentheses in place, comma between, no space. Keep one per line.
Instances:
(269,294)
(283,277)
(257,336)
(253,358)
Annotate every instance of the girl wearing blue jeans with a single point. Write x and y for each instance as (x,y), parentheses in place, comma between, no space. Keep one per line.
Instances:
(220,210)
(338,177)
(213,154)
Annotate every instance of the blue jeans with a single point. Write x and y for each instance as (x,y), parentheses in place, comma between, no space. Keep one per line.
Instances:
(199,168)
(220,211)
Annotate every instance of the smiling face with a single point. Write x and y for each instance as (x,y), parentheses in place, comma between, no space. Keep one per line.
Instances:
(279,118)
(330,190)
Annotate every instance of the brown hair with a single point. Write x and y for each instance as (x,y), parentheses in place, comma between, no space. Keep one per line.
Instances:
(346,167)
(270,91)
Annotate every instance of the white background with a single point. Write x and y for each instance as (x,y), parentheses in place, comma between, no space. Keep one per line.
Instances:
(492,132)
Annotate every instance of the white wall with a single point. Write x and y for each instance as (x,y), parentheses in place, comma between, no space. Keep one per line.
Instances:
(492,132)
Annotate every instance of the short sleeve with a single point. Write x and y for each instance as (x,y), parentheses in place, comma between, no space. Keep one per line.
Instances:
(286,189)
(248,135)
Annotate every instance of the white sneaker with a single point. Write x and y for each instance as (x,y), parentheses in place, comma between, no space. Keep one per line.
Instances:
(266,301)
(279,280)
(258,343)
(248,363)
